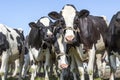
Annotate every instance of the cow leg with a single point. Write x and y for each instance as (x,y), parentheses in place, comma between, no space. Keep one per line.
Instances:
(91,54)
(33,53)
(103,68)
(99,63)
(33,71)
(26,65)
(47,64)
(80,68)
(20,62)
(17,65)
(4,66)
(73,67)
(104,62)
(112,59)
(77,60)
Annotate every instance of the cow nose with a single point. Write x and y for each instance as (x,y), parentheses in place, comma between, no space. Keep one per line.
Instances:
(69,38)
(49,35)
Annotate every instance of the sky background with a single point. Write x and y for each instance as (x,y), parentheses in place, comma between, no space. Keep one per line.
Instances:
(19,13)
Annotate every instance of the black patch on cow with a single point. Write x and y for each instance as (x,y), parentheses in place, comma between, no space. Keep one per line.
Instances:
(67,74)
(19,44)
(8,30)
(11,37)
(56,46)
(3,43)
(20,33)
(44,46)
(26,50)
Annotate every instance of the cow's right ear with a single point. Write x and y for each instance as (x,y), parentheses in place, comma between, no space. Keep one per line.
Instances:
(83,13)
(54,15)
(32,24)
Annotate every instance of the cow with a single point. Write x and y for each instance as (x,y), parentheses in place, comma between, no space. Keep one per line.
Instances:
(11,49)
(81,36)
(26,61)
(114,43)
(40,41)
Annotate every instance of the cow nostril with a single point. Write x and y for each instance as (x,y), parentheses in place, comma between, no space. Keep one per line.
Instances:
(49,36)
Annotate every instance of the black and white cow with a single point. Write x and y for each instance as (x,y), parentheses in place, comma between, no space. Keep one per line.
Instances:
(114,43)
(40,40)
(11,48)
(80,35)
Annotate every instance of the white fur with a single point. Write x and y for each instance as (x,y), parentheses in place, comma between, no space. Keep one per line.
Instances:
(45,21)
(68,14)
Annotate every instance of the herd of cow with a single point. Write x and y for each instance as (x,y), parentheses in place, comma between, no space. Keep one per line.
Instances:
(62,42)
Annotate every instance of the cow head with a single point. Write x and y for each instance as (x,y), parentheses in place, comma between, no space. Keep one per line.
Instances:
(117,23)
(65,20)
(44,28)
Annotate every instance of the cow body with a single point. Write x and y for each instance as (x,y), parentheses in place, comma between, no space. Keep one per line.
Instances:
(81,36)
(114,43)
(40,49)
(11,42)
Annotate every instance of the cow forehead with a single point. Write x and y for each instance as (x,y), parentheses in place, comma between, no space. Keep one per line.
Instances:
(45,21)
(69,13)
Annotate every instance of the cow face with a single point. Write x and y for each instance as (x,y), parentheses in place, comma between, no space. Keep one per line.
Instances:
(46,29)
(65,20)
(43,28)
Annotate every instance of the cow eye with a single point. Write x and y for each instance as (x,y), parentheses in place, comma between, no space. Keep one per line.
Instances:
(58,58)
(118,20)
(76,21)
(62,22)
(75,26)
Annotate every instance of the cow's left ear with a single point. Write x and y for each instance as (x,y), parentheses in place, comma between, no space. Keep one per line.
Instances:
(54,15)
(83,13)
(32,24)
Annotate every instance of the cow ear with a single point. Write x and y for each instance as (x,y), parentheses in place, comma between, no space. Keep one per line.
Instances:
(54,15)
(32,24)
(83,13)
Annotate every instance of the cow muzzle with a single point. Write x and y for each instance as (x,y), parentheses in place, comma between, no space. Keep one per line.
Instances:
(49,38)
(69,39)
(62,61)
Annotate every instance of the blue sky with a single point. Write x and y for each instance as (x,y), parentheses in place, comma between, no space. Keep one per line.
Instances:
(18,13)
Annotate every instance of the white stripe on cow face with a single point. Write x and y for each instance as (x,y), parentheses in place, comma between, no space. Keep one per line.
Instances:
(45,21)
(49,32)
(68,14)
